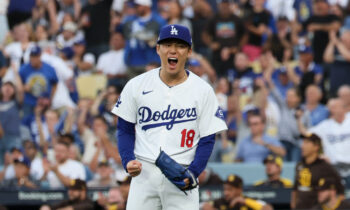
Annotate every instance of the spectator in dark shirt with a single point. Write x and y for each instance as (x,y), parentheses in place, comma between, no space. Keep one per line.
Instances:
(309,172)
(223,36)
(273,169)
(318,26)
(95,20)
(327,196)
(257,24)
(337,54)
(233,197)
(78,199)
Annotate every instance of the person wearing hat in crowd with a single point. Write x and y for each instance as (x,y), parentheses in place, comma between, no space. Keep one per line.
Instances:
(327,196)
(83,61)
(77,198)
(38,78)
(124,187)
(22,177)
(140,32)
(233,198)
(273,169)
(104,177)
(335,136)
(308,173)
(183,125)
(307,71)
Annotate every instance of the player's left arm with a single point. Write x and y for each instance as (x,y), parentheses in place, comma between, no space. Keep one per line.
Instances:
(203,152)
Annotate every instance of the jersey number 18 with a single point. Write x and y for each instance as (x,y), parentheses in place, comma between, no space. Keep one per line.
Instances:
(187,138)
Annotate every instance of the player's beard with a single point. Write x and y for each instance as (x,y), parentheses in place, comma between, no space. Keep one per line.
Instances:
(326,200)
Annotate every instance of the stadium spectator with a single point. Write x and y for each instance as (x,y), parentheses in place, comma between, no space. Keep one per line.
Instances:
(307,71)
(258,145)
(105,148)
(243,73)
(280,44)
(9,166)
(102,105)
(259,24)
(335,135)
(313,111)
(22,177)
(288,132)
(344,95)
(116,73)
(319,25)
(10,100)
(273,170)
(303,10)
(104,176)
(282,81)
(124,186)
(209,178)
(77,198)
(59,174)
(202,14)
(95,22)
(114,200)
(68,36)
(141,33)
(223,35)
(19,50)
(337,54)
(38,78)
(84,62)
(202,68)
(176,14)
(19,11)
(327,196)
(308,173)
(36,124)
(233,197)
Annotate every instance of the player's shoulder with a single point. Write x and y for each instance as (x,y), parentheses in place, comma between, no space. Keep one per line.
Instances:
(286,182)
(259,183)
(199,83)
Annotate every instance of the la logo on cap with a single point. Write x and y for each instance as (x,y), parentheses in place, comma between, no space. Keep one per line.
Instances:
(173,31)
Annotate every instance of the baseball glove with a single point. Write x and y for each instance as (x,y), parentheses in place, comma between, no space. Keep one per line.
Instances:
(175,172)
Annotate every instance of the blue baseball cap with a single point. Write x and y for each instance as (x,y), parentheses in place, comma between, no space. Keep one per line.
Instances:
(193,62)
(305,49)
(23,160)
(68,52)
(36,50)
(175,32)
(80,42)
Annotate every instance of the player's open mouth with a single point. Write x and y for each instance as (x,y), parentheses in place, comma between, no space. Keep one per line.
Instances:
(172,61)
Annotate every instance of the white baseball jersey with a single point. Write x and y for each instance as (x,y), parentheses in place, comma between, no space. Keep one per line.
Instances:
(335,139)
(169,118)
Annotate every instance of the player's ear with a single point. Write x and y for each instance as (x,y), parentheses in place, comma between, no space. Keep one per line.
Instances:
(189,51)
(158,48)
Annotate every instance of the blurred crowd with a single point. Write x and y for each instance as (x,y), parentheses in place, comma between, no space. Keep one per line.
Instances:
(280,69)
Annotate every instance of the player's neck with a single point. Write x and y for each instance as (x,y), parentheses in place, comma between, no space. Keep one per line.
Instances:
(310,159)
(333,203)
(172,80)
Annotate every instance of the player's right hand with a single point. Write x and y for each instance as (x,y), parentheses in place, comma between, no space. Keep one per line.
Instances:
(134,168)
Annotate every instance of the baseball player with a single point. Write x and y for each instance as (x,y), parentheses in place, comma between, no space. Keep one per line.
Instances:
(167,110)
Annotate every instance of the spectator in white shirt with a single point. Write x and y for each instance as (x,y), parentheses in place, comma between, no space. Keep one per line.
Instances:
(65,169)
(111,63)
